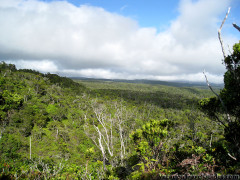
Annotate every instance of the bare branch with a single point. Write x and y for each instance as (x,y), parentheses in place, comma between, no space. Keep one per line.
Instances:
(101,145)
(236,26)
(232,157)
(106,139)
(229,50)
(219,34)
(210,145)
(223,105)
(30,153)
(120,122)
(218,120)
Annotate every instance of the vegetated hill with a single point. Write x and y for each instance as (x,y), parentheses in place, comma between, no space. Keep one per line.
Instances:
(53,127)
(142,87)
(201,85)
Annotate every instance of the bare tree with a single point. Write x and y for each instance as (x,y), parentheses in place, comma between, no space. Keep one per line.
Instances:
(103,136)
(108,131)
(120,120)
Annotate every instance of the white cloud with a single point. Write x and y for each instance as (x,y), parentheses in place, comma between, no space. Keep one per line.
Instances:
(89,41)
(108,74)
(198,21)
(42,66)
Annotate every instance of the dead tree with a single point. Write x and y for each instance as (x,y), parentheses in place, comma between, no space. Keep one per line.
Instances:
(224,57)
(103,135)
(107,131)
(120,120)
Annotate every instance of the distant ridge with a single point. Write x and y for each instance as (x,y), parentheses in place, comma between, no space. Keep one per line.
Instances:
(157,82)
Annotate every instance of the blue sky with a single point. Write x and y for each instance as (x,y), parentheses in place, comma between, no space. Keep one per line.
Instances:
(120,39)
(147,13)
(150,13)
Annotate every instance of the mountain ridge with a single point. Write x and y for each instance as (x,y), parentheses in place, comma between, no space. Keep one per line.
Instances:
(157,82)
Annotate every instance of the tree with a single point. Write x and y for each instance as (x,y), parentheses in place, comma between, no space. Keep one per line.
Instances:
(108,132)
(150,141)
(228,101)
(231,98)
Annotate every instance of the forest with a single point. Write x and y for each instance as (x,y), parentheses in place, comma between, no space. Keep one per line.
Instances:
(54,127)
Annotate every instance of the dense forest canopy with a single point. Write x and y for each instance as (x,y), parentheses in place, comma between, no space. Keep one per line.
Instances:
(54,127)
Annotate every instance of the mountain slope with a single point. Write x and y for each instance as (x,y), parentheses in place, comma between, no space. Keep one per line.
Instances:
(53,127)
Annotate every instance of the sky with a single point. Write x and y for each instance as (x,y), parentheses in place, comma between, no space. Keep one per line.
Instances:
(172,40)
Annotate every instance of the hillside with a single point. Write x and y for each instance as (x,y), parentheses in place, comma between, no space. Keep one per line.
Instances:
(54,127)
(201,85)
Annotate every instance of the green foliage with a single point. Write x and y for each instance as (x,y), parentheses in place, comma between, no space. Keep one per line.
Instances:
(230,105)
(30,71)
(152,128)
(151,145)
(10,100)
(8,67)
(9,146)
(64,82)
(201,162)
(231,92)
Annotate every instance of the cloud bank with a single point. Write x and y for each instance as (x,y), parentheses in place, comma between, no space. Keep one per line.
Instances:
(91,42)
